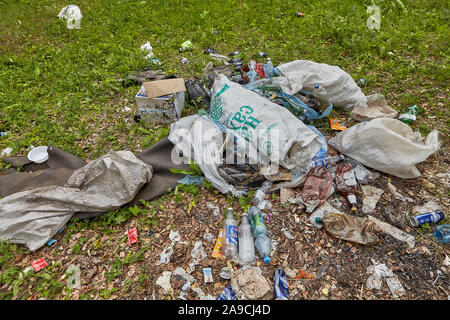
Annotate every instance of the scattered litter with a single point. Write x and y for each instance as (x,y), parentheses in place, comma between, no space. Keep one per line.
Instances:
(51,241)
(132,236)
(227,294)
(216,253)
(338,124)
(161,101)
(165,255)
(147,48)
(377,271)
(250,284)
(214,208)
(74,279)
(207,275)
(410,114)
(320,213)
(6,152)
(377,107)
(38,264)
(164,281)
(72,14)
(38,154)
(397,194)
(208,237)
(184,61)
(197,252)
(187,45)
(281,286)
(395,286)
(299,14)
(393,231)
(400,151)
(225,273)
(371,196)
(350,228)
(429,217)
(201,295)
(188,179)
(442,233)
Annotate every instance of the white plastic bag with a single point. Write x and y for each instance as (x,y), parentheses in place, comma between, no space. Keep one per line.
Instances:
(72,14)
(304,74)
(387,145)
(274,131)
(200,140)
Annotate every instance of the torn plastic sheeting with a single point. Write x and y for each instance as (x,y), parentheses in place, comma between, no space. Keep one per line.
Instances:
(304,74)
(371,196)
(32,217)
(387,145)
(277,134)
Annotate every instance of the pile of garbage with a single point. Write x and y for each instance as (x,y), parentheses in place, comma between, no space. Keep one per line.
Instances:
(253,130)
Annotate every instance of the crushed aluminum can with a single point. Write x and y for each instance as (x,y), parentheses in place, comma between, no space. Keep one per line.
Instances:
(280,285)
(227,294)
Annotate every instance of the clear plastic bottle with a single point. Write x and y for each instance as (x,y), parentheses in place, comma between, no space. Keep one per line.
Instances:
(442,233)
(321,95)
(231,244)
(246,242)
(252,74)
(269,69)
(262,241)
(261,192)
(326,161)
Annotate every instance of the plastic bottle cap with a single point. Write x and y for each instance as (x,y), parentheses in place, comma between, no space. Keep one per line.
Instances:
(267,259)
(316,85)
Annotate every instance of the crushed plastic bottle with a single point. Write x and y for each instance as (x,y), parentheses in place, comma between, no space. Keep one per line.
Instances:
(321,95)
(350,228)
(346,183)
(410,114)
(261,192)
(262,241)
(246,242)
(230,245)
(442,233)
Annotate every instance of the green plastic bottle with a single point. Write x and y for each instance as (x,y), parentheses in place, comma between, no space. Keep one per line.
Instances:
(409,115)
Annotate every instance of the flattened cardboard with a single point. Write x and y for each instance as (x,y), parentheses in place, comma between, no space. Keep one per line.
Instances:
(164,87)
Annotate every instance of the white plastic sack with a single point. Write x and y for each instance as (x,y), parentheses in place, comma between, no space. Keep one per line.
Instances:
(387,145)
(72,14)
(32,217)
(304,74)
(200,140)
(274,131)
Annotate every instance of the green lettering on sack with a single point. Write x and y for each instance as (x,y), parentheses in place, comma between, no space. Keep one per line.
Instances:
(225,87)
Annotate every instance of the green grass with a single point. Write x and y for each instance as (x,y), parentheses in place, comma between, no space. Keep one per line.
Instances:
(61,86)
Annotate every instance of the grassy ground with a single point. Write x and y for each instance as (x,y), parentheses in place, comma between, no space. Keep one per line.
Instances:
(62,87)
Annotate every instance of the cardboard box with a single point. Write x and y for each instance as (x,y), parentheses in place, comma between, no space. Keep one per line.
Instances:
(161,101)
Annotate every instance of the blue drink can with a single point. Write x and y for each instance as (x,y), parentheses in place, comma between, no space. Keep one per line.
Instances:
(428,217)
(280,285)
(227,294)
